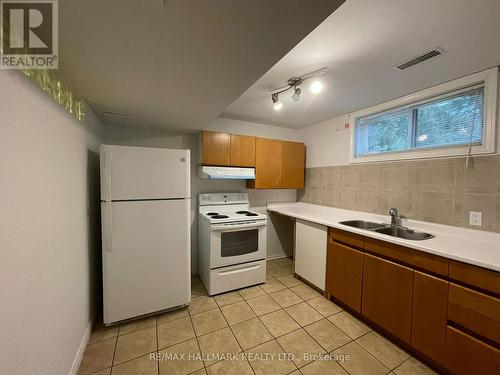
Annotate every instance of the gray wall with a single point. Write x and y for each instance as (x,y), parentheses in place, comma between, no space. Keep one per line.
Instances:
(49,229)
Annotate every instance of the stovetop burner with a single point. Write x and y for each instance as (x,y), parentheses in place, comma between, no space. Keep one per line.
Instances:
(212,213)
(251,214)
(219,216)
(242,212)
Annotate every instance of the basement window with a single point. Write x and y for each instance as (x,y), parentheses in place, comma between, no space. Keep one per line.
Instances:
(441,121)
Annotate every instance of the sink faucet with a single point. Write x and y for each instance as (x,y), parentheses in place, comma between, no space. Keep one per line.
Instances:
(395,221)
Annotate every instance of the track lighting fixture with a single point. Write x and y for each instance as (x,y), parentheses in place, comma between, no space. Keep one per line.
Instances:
(294,83)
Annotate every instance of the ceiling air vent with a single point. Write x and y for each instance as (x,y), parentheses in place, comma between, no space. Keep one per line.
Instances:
(419,59)
(127,120)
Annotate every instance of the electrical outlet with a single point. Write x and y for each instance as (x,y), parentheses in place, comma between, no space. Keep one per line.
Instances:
(475,218)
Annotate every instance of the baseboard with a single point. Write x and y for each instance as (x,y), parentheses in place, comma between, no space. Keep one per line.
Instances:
(81,349)
(277,256)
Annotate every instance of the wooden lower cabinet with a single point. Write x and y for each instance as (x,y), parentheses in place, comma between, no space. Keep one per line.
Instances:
(468,355)
(477,277)
(430,305)
(477,311)
(344,275)
(451,319)
(387,295)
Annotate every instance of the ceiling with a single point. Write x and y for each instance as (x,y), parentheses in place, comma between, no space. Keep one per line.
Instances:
(361,42)
(177,63)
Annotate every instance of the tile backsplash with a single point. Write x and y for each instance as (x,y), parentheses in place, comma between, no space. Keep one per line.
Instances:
(436,190)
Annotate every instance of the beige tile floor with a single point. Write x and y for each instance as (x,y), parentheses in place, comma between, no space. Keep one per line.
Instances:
(281,326)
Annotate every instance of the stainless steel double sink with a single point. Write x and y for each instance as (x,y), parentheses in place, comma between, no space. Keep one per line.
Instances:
(401,232)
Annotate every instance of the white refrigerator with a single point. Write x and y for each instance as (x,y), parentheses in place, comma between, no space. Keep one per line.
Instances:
(145,213)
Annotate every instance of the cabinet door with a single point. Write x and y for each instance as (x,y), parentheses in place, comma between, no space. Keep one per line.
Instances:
(310,252)
(292,165)
(344,274)
(430,305)
(387,295)
(267,164)
(216,148)
(242,151)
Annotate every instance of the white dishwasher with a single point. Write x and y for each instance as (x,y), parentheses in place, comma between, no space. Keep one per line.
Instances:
(310,252)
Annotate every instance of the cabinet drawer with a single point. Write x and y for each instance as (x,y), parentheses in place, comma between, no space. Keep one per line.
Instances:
(475,311)
(466,355)
(478,277)
(410,257)
(352,239)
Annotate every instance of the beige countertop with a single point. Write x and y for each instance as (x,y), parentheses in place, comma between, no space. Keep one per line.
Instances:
(476,247)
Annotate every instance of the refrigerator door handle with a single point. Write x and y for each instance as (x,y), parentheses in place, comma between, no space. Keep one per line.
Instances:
(108,219)
(107,173)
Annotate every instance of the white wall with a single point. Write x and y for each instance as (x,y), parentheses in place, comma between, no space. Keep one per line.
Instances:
(255,129)
(280,230)
(49,229)
(327,143)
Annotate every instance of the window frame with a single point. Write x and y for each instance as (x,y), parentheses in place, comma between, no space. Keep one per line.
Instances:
(488,78)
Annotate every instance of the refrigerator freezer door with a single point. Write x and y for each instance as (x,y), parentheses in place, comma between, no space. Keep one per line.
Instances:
(148,267)
(130,173)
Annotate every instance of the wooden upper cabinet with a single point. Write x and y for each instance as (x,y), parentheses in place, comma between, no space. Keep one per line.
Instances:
(387,295)
(216,148)
(344,274)
(430,305)
(293,165)
(268,154)
(278,164)
(242,151)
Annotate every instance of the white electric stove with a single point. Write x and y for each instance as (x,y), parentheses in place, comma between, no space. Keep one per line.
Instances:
(231,242)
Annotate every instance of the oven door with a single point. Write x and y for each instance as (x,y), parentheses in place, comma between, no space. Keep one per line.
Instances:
(237,243)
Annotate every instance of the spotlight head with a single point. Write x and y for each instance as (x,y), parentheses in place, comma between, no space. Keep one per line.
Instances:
(277,104)
(296,93)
